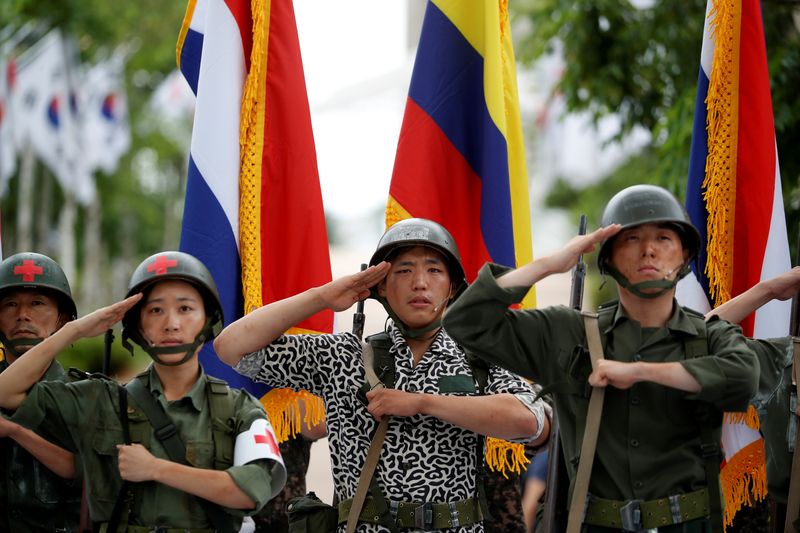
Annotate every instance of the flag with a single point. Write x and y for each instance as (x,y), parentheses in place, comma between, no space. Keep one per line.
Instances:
(104,110)
(45,114)
(734,198)
(253,211)
(8,155)
(460,157)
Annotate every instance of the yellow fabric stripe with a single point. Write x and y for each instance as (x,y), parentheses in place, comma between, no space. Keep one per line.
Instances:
(187,20)
(252,145)
(722,104)
(395,212)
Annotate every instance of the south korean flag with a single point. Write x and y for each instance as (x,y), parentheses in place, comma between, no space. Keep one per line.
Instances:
(259,442)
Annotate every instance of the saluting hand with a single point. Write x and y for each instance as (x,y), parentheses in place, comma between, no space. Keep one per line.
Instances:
(104,318)
(343,292)
(567,257)
(136,463)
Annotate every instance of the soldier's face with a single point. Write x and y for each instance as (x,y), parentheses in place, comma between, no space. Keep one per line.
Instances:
(172,314)
(648,252)
(417,286)
(28,314)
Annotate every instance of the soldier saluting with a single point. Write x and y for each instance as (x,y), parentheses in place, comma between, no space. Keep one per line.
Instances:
(668,376)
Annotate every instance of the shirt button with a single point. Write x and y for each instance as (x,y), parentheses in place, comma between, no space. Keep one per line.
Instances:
(634,443)
(411,388)
(637,357)
(638,485)
(635,400)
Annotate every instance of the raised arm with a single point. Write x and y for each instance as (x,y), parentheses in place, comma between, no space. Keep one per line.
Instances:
(560,261)
(259,328)
(781,287)
(20,376)
(57,459)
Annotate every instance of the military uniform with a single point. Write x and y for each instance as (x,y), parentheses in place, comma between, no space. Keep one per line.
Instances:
(84,416)
(33,498)
(649,441)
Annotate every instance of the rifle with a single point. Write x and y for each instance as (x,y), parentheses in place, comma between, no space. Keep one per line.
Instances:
(555,496)
(108,340)
(358,316)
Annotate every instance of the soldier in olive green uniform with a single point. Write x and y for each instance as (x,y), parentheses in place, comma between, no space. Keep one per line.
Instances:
(668,375)
(35,300)
(231,456)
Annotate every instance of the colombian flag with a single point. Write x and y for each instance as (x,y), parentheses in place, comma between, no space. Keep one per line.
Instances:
(460,158)
(253,211)
(734,198)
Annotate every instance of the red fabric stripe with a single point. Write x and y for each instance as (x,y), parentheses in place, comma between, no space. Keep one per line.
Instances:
(294,241)
(240,9)
(431,179)
(755,172)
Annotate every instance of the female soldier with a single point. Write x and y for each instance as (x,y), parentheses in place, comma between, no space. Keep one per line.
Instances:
(226,450)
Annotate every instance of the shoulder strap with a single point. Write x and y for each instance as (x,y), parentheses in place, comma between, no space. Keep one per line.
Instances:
(221,403)
(591,430)
(166,432)
(383,362)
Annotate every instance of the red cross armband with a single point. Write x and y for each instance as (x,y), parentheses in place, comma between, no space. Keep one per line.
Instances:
(259,442)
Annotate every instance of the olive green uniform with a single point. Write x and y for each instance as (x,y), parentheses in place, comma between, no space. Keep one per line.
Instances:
(649,441)
(84,417)
(776,403)
(33,498)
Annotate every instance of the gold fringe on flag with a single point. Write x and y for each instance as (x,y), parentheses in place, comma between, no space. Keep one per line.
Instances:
(287,415)
(251,143)
(187,20)
(722,105)
(503,456)
(748,418)
(395,212)
(744,479)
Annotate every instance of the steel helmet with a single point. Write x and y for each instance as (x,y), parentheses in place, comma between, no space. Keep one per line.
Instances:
(423,232)
(29,270)
(173,266)
(647,204)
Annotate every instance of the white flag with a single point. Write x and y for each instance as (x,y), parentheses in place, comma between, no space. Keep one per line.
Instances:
(45,114)
(8,153)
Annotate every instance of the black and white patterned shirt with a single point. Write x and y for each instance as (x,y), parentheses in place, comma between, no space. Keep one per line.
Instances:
(424,459)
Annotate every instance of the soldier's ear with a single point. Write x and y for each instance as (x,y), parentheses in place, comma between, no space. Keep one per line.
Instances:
(381,288)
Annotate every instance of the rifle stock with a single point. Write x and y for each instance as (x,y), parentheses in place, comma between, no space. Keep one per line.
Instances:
(555,497)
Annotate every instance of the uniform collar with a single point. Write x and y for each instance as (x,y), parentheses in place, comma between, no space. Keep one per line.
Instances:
(197,394)
(678,321)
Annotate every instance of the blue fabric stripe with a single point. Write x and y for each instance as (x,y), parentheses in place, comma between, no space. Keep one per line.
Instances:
(207,235)
(190,58)
(447,83)
(695,205)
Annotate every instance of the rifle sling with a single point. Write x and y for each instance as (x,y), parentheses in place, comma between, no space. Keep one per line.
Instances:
(167,434)
(374,453)
(793,502)
(578,504)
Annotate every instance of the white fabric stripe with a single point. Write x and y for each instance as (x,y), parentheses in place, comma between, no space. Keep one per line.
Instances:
(772,320)
(198,22)
(215,136)
(707,53)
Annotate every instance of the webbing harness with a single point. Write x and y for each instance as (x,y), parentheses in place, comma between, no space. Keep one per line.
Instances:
(221,406)
(379,508)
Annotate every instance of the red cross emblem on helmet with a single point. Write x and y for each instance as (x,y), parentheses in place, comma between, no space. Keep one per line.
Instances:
(161,264)
(28,270)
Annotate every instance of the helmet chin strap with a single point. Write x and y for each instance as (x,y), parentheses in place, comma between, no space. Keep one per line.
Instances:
(13,345)
(663,285)
(156,351)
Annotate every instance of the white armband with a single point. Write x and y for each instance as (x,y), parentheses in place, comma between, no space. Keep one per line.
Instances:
(259,442)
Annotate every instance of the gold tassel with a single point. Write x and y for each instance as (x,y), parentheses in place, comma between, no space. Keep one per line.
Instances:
(395,212)
(503,456)
(722,105)
(744,479)
(284,411)
(748,418)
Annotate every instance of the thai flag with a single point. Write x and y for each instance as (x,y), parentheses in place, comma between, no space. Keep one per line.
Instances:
(738,207)
(253,211)
(460,157)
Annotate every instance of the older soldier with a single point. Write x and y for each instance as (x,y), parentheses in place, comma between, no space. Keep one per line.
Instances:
(428,472)
(38,491)
(195,455)
(668,375)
